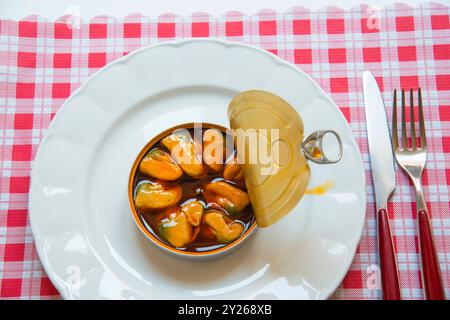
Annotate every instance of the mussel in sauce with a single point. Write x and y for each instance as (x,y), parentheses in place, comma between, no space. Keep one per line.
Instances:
(231,198)
(232,171)
(176,229)
(193,211)
(222,227)
(152,196)
(184,150)
(214,149)
(158,164)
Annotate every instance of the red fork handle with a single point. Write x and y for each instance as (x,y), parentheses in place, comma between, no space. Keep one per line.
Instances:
(430,263)
(388,263)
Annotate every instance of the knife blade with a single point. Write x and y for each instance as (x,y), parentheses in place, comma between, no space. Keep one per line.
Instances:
(380,147)
(383,174)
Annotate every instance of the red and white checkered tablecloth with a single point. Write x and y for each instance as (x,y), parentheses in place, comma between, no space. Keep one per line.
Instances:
(42,62)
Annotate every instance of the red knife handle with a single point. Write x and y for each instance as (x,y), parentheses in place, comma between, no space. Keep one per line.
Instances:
(430,263)
(388,263)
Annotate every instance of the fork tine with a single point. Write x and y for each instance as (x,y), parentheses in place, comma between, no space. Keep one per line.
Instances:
(423,139)
(404,137)
(411,120)
(394,122)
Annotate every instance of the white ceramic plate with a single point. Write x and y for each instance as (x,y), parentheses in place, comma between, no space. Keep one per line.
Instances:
(83,228)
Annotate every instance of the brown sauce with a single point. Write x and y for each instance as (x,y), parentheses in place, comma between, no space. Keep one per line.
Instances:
(192,189)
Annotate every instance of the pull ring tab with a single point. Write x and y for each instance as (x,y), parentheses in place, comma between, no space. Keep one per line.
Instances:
(312,147)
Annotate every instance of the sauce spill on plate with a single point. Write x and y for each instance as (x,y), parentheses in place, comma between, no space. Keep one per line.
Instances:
(320,189)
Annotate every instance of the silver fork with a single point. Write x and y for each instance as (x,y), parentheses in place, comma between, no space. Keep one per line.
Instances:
(412,160)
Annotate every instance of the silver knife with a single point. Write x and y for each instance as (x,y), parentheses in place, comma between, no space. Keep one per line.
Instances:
(383,174)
